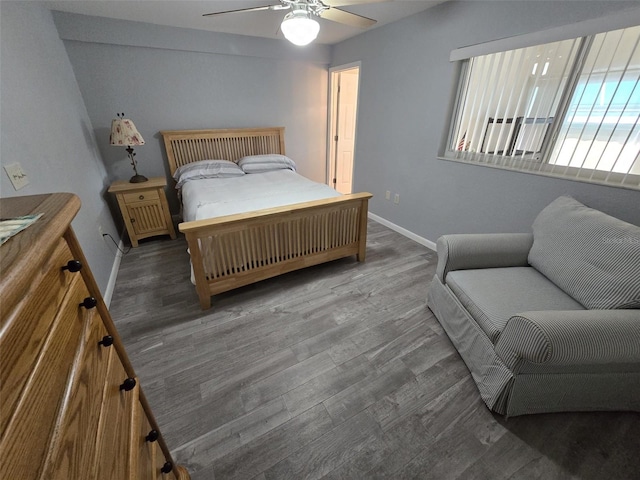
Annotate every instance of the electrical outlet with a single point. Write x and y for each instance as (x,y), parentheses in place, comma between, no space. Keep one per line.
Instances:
(388,195)
(101,230)
(16,175)
(396,198)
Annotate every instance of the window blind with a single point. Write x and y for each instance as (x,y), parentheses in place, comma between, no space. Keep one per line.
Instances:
(569,108)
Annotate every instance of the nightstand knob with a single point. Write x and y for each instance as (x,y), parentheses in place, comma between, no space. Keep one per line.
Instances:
(72,266)
(128,384)
(167,467)
(152,436)
(106,341)
(89,303)
(141,197)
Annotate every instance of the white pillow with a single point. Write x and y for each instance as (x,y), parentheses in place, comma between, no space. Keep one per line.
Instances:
(206,169)
(265,163)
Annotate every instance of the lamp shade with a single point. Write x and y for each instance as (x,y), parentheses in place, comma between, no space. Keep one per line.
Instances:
(124,133)
(299,28)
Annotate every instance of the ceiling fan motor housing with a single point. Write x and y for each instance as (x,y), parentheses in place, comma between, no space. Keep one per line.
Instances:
(300,26)
(315,7)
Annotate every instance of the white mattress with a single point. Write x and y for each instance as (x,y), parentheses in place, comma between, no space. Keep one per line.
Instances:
(215,197)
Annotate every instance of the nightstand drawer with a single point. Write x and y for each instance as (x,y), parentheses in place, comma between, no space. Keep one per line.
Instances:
(145,196)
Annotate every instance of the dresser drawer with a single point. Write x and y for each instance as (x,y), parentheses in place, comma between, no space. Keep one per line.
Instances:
(160,462)
(75,449)
(113,454)
(146,446)
(146,196)
(26,441)
(63,414)
(25,328)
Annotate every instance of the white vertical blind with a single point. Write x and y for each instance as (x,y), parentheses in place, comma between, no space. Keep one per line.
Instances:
(508,99)
(569,108)
(601,132)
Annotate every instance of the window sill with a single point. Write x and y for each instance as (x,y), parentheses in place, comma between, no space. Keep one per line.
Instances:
(632,181)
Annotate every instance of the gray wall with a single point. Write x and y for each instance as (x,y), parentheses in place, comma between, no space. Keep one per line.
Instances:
(166,78)
(46,128)
(406,92)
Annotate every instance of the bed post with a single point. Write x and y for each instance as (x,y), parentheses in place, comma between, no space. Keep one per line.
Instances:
(202,286)
(362,247)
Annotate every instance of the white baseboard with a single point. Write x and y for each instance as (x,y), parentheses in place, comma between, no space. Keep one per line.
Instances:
(403,231)
(108,293)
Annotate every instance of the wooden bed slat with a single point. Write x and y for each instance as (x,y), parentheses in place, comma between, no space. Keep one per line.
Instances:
(236,250)
(187,146)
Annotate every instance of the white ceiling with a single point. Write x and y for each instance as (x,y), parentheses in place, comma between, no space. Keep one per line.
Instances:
(188,14)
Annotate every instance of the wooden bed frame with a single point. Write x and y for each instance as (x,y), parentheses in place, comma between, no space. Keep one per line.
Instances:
(236,250)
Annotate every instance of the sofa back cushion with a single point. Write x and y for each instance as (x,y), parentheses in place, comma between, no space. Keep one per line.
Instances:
(592,256)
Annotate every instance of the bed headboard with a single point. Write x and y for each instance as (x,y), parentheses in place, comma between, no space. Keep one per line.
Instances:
(187,146)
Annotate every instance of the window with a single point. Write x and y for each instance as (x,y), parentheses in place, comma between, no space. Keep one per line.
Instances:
(569,108)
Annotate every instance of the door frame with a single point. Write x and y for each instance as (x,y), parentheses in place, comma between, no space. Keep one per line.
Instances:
(332,117)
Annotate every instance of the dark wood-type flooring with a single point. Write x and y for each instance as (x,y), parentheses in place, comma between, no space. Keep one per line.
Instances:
(339,371)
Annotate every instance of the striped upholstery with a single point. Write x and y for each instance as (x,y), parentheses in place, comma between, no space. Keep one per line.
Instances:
(592,256)
(562,334)
(493,295)
(548,368)
(565,338)
(485,250)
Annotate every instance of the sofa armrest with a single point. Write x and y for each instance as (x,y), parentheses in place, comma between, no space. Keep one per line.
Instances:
(482,250)
(571,337)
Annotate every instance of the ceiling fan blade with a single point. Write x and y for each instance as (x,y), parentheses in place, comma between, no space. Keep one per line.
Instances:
(251,9)
(347,18)
(344,3)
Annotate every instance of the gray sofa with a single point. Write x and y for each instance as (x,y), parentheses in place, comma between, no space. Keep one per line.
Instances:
(547,321)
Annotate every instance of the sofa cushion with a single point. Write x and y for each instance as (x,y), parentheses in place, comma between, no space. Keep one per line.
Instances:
(590,255)
(493,295)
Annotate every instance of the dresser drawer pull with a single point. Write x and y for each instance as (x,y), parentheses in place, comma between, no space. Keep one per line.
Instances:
(73,266)
(167,467)
(152,436)
(128,384)
(141,197)
(89,303)
(106,341)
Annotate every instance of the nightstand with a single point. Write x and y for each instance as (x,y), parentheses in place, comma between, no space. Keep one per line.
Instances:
(144,208)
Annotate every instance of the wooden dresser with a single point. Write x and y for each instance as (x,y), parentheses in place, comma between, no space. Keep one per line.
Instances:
(71,406)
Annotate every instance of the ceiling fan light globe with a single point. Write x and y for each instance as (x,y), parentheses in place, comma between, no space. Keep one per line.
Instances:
(299,29)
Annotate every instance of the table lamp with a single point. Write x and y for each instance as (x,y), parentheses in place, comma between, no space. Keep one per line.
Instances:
(124,133)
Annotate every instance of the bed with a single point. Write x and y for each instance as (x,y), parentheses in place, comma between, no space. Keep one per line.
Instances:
(233,243)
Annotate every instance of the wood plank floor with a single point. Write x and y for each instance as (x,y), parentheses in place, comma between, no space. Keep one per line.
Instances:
(339,371)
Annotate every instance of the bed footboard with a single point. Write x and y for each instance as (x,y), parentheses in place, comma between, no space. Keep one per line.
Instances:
(236,250)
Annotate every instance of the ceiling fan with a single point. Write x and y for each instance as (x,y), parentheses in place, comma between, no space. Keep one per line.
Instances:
(300,27)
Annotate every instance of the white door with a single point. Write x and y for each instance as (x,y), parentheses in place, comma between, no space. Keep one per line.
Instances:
(343,129)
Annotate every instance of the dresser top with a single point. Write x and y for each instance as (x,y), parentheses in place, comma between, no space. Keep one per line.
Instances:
(23,252)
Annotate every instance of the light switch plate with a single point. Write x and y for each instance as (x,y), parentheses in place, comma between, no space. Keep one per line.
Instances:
(17,176)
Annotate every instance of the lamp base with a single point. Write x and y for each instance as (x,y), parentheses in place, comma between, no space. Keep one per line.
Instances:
(138,179)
